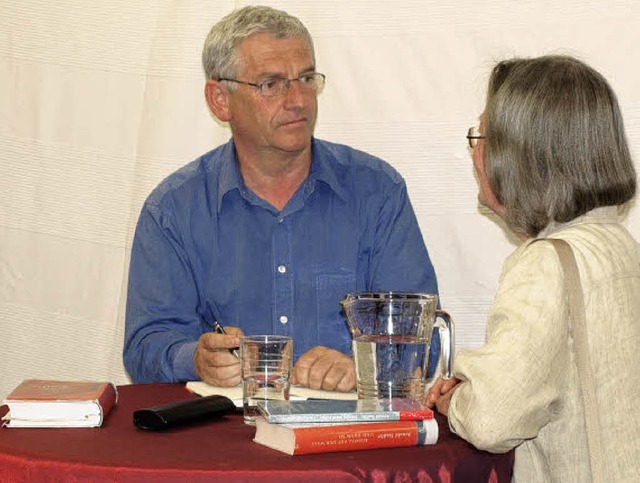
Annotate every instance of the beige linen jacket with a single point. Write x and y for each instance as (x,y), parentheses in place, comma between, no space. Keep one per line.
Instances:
(522,389)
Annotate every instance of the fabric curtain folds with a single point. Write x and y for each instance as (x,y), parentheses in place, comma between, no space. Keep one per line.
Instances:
(99,101)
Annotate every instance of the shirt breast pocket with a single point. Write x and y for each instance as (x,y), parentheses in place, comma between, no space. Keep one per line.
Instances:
(333,330)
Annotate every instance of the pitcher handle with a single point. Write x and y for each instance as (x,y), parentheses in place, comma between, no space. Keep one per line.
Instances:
(447,342)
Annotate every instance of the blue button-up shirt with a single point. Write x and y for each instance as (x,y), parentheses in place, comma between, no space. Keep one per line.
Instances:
(207,248)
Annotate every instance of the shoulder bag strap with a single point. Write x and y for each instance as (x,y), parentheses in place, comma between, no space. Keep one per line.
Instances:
(578,331)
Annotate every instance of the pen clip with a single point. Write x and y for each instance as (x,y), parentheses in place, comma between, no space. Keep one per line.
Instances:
(220,330)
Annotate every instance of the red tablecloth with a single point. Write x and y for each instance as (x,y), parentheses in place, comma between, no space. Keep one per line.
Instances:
(223,449)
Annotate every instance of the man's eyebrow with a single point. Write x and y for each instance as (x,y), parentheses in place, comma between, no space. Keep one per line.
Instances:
(267,75)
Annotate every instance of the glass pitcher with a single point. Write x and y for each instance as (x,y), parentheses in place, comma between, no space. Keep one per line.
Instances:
(391,340)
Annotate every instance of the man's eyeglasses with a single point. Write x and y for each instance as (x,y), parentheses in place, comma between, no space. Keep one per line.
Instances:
(473,135)
(279,85)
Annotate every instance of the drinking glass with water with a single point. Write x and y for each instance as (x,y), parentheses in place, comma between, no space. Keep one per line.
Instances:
(266,371)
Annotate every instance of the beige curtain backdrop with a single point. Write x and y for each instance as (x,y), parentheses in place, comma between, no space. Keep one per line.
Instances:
(101,100)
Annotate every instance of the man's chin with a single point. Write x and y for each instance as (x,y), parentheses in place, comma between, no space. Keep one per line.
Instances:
(296,144)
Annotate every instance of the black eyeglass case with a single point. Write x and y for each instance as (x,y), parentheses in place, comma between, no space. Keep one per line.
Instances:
(183,412)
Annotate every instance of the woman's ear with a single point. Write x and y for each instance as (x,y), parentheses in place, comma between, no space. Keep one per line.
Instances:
(217,99)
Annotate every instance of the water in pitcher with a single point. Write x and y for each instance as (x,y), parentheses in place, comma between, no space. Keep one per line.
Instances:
(390,366)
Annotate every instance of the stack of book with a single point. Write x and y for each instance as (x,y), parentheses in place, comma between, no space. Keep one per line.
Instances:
(322,426)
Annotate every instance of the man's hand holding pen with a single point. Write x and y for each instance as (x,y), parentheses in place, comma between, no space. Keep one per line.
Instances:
(215,361)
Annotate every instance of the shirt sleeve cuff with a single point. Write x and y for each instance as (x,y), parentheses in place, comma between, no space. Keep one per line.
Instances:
(183,366)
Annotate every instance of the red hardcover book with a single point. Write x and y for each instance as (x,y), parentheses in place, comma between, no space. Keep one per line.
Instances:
(297,439)
(37,403)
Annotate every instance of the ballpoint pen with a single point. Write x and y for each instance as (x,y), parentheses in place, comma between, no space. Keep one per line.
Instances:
(220,330)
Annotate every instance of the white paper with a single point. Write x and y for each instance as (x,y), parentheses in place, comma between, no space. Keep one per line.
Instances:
(296,392)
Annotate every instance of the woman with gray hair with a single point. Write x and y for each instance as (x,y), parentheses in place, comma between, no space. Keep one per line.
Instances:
(552,160)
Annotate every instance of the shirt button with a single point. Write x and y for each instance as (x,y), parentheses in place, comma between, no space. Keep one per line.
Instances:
(284,319)
(282,269)
(280,219)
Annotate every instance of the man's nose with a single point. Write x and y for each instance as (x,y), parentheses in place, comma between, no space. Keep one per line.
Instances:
(293,94)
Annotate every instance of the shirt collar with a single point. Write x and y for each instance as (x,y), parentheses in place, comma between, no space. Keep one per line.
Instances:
(605,214)
(230,177)
(321,170)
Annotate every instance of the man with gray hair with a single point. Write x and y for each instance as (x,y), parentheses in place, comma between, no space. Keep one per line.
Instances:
(267,233)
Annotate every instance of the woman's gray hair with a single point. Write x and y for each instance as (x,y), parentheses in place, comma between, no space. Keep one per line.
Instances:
(555,144)
(219,54)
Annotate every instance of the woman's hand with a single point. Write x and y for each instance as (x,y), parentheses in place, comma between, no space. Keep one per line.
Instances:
(440,393)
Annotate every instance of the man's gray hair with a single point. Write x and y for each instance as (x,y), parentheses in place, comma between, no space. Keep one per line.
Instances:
(555,145)
(219,54)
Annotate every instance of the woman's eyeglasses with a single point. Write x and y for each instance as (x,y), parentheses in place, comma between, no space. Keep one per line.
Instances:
(473,135)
